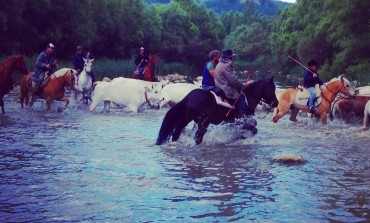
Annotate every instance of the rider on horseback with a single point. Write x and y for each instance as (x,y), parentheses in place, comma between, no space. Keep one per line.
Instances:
(79,63)
(229,83)
(208,82)
(44,67)
(141,62)
(311,78)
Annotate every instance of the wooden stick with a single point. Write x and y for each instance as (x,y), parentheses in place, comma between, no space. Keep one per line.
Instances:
(241,91)
(301,64)
(137,68)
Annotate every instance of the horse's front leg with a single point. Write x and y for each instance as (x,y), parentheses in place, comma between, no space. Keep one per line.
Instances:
(180,126)
(202,128)
(33,98)
(48,103)
(323,118)
(66,100)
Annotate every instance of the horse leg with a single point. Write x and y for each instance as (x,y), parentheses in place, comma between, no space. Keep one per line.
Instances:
(66,100)
(203,124)
(180,126)
(323,118)
(48,103)
(293,116)
(281,112)
(2,104)
(106,106)
(365,127)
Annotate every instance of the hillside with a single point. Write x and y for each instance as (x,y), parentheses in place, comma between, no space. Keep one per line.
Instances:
(266,8)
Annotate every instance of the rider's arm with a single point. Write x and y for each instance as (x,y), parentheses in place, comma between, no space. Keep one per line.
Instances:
(40,62)
(211,69)
(233,79)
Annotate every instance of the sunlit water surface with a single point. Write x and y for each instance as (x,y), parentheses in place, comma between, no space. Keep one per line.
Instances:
(76,166)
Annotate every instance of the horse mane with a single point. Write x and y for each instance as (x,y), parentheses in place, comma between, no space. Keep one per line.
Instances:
(255,83)
(60,73)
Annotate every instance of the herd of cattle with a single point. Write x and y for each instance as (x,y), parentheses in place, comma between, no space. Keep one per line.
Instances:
(169,92)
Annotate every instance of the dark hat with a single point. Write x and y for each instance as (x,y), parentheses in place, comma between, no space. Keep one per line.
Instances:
(227,53)
(312,63)
(50,45)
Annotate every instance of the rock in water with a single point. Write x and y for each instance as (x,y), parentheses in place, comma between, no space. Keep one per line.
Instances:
(289,158)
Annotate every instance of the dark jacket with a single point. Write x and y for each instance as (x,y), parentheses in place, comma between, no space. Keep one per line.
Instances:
(207,77)
(40,66)
(309,80)
(78,60)
(141,57)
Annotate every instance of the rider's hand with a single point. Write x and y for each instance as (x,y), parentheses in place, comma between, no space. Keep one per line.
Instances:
(314,75)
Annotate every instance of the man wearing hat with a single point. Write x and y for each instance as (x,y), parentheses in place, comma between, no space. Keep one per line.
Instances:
(141,62)
(311,78)
(229,83)
(44,67)
(208,82)
(79,63)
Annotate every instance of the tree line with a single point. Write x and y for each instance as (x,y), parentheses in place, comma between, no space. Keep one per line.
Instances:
(334,32)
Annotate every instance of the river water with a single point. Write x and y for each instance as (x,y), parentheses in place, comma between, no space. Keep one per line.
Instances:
(77,166)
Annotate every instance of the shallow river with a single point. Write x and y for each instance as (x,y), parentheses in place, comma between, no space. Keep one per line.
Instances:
(76,166)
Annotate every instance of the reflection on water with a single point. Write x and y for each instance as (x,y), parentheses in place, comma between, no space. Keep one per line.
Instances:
(77,166)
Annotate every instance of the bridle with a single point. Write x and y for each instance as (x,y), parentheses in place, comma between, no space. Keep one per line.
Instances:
(261,100)
(340,90)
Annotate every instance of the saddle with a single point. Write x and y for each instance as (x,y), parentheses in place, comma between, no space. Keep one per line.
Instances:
(221,101)
(303,93)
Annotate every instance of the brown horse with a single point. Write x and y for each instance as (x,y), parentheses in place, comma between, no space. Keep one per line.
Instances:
(54,90)
(149,70)
(288,100)
(6,70)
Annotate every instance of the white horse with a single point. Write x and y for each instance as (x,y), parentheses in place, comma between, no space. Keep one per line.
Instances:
(365,127)
(83,82)
(129,92)
(173,93)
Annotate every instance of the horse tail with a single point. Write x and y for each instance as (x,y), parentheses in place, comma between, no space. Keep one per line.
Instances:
(170,121)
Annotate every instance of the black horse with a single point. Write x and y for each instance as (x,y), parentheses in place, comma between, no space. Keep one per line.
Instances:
(200,106)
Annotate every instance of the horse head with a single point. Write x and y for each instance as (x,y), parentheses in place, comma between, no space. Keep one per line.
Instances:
(155,91)
(72,77)
(268,92)
(20,65)
(88,65)
(346,87)
(153,59)
(264,90)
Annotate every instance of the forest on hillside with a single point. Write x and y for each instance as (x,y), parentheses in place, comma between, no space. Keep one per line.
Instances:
(334,32)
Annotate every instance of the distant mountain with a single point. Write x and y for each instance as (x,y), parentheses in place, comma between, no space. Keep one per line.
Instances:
(266,8)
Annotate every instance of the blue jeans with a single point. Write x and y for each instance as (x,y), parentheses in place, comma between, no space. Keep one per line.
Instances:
(215,89)
(241,106)
(140,75)
(312,96)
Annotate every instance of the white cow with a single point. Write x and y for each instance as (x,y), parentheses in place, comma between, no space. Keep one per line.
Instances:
(364,90)
(125,91)
(365,127)
(173,93)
